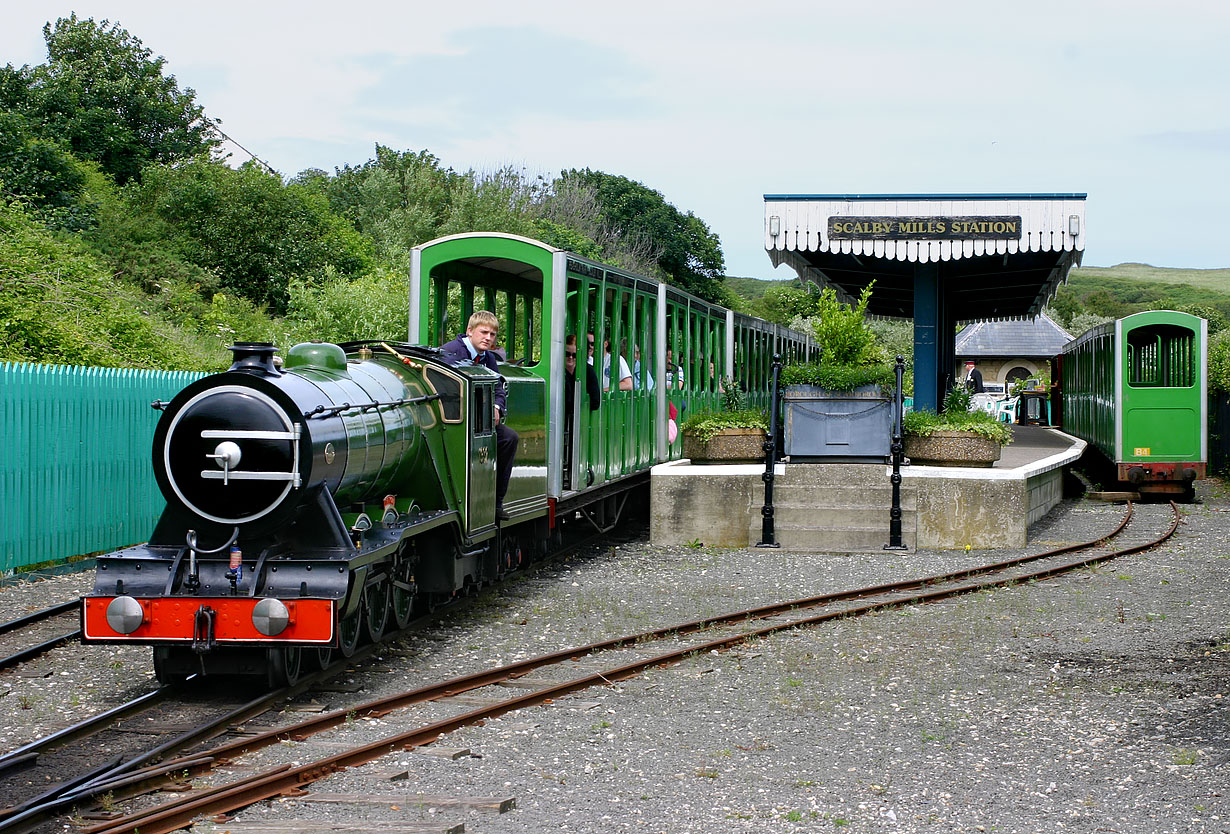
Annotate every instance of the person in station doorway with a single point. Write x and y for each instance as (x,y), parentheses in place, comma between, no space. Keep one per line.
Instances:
(477,344)
(973,378)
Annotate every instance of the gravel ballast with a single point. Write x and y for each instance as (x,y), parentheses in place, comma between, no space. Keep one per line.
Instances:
(1092,702)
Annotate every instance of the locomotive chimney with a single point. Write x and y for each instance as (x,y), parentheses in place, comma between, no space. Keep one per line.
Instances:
(255,358)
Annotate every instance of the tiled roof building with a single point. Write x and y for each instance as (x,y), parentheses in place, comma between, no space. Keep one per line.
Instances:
(1006,351)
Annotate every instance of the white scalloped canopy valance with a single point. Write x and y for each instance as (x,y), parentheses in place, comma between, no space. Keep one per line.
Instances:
(799,223)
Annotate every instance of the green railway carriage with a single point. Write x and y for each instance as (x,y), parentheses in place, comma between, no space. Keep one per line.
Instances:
(1136,389)
(677,347)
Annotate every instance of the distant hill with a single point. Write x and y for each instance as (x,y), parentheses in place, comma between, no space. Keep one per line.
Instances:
(1217,280)
(754,288)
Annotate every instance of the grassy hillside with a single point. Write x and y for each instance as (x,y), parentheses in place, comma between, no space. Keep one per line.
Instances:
(753,288)
(1217,280)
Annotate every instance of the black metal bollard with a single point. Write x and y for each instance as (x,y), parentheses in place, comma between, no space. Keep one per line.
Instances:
(767,534)
(897,450)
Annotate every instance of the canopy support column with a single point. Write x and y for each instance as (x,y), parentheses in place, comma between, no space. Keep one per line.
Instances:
(929,341)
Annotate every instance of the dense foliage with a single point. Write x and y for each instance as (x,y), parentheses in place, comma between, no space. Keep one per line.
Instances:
(246,227)
(706,425)
(1219,361)
(109,185)
(850,354)
(838,377)
(59,304)
(1093,296)
(924,423)
(688,254)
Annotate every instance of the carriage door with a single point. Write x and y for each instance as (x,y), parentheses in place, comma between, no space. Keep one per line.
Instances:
(482,474)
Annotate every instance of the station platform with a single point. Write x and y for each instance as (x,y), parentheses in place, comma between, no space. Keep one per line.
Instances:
(845,507)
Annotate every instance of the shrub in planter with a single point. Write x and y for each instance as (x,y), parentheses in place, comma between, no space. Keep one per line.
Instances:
(957,437)
(849,355)
(734,434)
(838,377)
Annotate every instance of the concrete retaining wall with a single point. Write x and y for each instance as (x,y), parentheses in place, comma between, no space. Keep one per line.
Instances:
(980,507)
(711,504)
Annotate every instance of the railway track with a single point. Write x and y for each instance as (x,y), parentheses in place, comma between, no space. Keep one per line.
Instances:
(630,655)
(150,728)
(30,636)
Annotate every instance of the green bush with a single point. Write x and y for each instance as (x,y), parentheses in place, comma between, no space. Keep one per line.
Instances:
(705,425)
(59,304)
(246,227)
(734,415)
(849,353)
(1219,361)
(842,332)
(924,423)
(838,377)
(338,309)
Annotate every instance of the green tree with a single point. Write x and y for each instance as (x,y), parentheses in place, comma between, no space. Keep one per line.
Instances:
(1217,320)
(1102,303)
(785,303)
(247,228)
(1219,361)
(689,254)
(1064,307)
(399,199)
(105,95)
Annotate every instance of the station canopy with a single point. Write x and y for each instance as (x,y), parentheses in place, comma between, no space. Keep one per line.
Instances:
(987,256)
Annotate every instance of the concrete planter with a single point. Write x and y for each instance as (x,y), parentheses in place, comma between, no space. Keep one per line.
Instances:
(727,446)
(951,448)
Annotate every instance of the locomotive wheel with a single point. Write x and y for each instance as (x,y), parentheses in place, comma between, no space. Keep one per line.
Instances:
(511,555)
(348,631)
(323,657)
(283,666)
(375,608)
(402,603)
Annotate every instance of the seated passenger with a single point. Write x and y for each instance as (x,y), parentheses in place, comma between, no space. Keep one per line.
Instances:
(625,373)
(674,373)
(478,345)
(639,381)
(592,391)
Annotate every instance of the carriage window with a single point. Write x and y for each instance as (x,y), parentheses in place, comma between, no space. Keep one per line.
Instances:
(1161,357)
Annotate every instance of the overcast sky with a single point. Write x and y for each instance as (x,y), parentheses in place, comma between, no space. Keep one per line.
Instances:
(717,103)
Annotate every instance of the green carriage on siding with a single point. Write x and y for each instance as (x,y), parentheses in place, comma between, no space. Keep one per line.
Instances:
(677,347)
(1136,389)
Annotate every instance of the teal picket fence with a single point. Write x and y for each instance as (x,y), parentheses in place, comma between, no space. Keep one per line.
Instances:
(75,459)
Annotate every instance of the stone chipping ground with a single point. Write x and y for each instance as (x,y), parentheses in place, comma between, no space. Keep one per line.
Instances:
(1093,702)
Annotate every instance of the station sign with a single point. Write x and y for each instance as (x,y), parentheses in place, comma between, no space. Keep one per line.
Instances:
(925,228)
